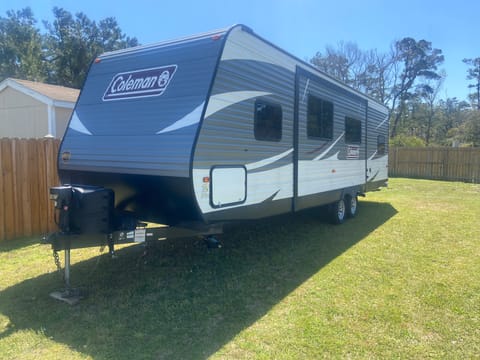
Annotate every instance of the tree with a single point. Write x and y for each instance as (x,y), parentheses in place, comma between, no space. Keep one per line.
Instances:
(451,117)
(345,62)
(63,55)
(378,78)
(407,141)
(428,91)
(472,128)
(391,78)
(74,42)
(21,54)
(417,59)
(474,74)
(366,71)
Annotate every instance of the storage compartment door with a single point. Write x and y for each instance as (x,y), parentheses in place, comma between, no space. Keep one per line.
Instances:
(228,185)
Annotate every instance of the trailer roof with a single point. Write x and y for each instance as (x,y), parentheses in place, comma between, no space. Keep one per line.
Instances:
(166,43)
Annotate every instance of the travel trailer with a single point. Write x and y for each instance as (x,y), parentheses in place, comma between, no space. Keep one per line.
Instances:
(208,129)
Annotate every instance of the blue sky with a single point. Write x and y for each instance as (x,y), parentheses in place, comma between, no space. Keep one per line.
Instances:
(301,27)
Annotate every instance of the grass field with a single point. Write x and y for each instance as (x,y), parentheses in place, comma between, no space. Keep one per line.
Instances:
(401,280)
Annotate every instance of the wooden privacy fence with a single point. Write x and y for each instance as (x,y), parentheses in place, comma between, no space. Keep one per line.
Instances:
(28,169)
(453,164)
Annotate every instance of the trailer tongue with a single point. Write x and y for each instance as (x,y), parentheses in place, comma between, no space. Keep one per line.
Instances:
(86,217)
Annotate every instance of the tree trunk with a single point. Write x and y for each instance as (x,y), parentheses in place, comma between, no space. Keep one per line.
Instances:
(396,120)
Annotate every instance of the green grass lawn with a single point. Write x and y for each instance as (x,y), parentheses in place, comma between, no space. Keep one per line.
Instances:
(401,280)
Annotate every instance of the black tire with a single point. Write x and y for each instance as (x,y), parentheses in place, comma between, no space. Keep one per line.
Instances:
(338,212)
(351,203)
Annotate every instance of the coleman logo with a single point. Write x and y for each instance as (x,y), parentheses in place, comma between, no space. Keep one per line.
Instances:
(140,83)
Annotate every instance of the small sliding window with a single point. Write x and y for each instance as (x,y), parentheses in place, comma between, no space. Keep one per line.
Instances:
(319,118)
(267,121)
(353,131)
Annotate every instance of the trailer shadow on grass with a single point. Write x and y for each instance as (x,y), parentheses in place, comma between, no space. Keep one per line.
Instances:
(183,300)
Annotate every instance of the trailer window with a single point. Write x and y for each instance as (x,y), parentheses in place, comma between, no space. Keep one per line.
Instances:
(319,118)
(353,131)
(267,121)
(380,145)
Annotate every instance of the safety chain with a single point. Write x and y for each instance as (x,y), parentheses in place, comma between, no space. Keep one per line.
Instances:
(56,259)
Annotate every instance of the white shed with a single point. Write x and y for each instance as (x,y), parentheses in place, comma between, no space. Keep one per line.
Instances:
(31,109)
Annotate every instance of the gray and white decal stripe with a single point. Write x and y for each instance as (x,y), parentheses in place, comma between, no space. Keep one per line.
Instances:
(77,125)
(221,101)
(216,103)
(305,91)
(333,157)
(383,122)
(329,148)
(268,161)
(189,119)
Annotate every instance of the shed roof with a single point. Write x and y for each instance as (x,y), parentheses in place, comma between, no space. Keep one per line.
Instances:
(50,94)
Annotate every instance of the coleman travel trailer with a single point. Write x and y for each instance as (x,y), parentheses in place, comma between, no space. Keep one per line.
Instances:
(208,129)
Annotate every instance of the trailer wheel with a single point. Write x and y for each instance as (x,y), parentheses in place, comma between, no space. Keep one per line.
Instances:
(352,205)
(338,211)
